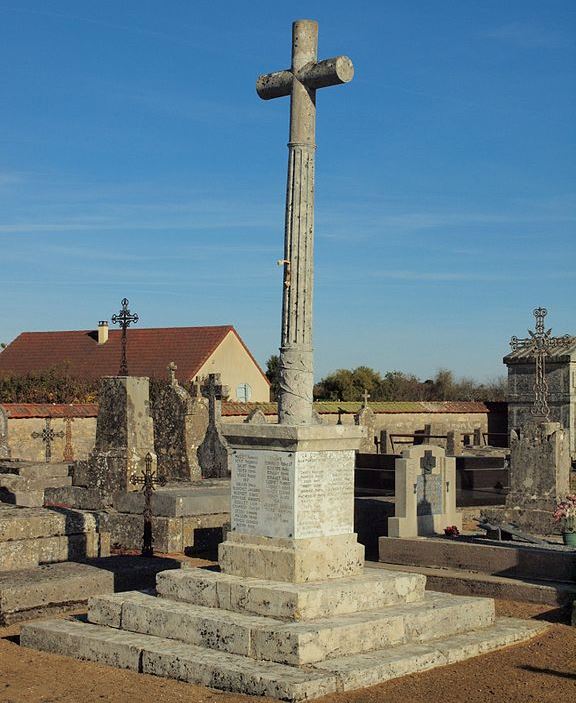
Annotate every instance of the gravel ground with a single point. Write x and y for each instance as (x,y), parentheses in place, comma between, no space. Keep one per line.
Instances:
(543,670)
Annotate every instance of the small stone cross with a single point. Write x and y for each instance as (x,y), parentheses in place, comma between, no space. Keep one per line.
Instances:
(172,368)
(47,435)
(427,462)
(365,396)
(214,391)
(149,480)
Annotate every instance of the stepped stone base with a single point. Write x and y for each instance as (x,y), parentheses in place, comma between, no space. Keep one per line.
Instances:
(25,483)
(32,536)
(312,559)
(293,641)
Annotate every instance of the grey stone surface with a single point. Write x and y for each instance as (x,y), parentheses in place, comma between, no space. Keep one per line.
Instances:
(124,436)
(366,419)
(190,534)
(213,451)
(180,500)
(539,477)
(425,490)
(176,435)
(28,591)
(300,82)
(291,601)
(512,559)
(232,672)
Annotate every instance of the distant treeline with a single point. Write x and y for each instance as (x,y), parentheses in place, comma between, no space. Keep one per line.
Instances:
(350,384)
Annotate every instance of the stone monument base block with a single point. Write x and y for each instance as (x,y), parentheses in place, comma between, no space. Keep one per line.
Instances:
(248,635)
(532,520)
(294,560)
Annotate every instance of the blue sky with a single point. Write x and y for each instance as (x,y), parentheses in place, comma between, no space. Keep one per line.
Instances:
(137,160)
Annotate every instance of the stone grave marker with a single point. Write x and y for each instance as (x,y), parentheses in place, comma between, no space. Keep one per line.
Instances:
(539,477)
(366,419)
(425,490)
(213,452)
(178,430)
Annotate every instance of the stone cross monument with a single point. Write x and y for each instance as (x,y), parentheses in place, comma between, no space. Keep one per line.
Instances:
(292,492)
(300,82)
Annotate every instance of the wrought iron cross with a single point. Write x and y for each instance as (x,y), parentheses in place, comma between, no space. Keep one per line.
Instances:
(48,435)
(539,344)
(149,480)
(124,318)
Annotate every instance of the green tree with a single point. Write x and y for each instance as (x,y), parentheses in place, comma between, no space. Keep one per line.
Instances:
(273,375)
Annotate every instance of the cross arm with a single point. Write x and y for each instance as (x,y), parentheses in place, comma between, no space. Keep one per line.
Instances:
(334,71)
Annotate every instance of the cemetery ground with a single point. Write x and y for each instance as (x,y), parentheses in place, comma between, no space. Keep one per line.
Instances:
(542,670)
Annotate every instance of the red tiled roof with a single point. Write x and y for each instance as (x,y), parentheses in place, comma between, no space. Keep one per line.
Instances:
(149,352)
(24,410)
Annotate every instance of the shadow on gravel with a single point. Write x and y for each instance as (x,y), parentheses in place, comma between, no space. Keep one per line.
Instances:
(15,639)
(560,615)
(549,672)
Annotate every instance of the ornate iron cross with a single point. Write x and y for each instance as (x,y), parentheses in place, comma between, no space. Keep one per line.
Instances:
(539,344)
(124,318)
(48,435)
(149,480)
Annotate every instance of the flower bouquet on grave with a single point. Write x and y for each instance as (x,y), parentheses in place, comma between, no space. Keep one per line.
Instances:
(451,531)
(565,514)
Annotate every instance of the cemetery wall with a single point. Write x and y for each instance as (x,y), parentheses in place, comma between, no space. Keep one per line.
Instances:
(80,421)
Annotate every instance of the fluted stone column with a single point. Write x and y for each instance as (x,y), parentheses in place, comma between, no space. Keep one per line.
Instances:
(305,76)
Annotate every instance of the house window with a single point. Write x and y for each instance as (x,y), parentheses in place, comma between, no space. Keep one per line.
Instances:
(243,392)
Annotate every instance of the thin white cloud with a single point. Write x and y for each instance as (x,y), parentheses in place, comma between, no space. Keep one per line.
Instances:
(531,36)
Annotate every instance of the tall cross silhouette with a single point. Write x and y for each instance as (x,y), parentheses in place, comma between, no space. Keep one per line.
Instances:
(47,436)
(539,344)
(149,479)
(301,81)
(124,318)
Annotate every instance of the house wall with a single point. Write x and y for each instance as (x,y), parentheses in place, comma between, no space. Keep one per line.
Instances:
(236,366)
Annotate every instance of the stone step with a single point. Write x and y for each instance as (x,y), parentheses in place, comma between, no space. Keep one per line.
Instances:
(17,523)
(512,559)
(370,590)
(24,499)
(295,643)
(231,672)
(468,583)
(12,482)
(27,593)
(179,501)
(35,470)
(27,553)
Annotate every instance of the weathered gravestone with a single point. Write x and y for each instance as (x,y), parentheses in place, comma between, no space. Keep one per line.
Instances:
(124,436)
(366,419)
(179,422)
(213,452)
(425,490)
(539,477)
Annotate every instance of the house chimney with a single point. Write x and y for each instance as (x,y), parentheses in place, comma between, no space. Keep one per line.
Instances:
(102,331)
